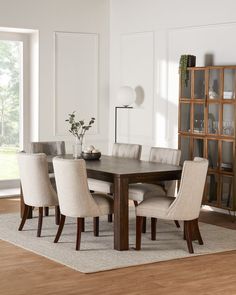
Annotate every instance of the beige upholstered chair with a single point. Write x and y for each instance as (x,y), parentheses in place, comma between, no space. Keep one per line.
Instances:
(139,191)
(36,185)
(186,206)
(75,199)
(50,148)
(122,150)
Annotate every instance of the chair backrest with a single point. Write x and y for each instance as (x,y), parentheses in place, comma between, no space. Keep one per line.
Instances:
(74,197)
(167,156)
(35,182)
(127,150)
(52,148)
(188,201)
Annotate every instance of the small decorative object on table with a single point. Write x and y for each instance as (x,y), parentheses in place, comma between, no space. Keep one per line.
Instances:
(91,153)
(78,129)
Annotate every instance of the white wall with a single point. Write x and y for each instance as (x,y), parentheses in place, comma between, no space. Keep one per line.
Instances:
(74,16)
(146,39)
(155,33)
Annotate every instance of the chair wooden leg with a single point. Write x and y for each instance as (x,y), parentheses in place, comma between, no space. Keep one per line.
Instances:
(177,223)
(46,211)
(139,223)
(135,203)
(184,235)
(83,225)
(40,221)
(153,228)
(197,232)
(188,235)
(144,227)
(109,217)
(96,226)
(24,217)
(79,230)
(57,215)
(60,228)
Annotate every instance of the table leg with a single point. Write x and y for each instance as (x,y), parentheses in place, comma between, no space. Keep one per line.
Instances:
(22,206)
(121,214)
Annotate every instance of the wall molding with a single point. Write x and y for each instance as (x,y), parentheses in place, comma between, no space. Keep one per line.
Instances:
(96,37)
(141,137)
(201,26)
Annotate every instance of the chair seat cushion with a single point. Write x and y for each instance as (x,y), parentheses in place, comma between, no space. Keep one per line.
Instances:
(138,191)
(154,206)
(104,202)
(99,186)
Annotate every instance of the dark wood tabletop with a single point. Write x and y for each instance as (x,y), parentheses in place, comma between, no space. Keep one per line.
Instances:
(122,166)
(117,166)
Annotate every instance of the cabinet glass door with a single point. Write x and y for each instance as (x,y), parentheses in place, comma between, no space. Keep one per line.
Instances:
(186,87)
(229,84)
(226,191)
(185,115)
(214,84)
(199,84)
(227,156)
(198,147)
(185,149)
(213,153)
(198,123)
(212,188)
(213,118)
(228,120)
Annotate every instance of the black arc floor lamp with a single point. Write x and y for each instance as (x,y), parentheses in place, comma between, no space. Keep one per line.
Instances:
(126,96)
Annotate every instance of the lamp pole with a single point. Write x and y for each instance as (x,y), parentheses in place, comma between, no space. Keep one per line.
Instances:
(116,116)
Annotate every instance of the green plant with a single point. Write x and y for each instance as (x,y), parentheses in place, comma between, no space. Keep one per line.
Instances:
(183,64)
(78,128)
(186,61)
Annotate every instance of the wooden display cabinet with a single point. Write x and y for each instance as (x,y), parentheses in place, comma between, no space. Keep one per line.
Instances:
(207,129)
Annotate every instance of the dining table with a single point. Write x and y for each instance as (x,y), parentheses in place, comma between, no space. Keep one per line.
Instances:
(121,172)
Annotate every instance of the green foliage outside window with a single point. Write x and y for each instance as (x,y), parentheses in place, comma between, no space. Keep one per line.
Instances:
(9,92)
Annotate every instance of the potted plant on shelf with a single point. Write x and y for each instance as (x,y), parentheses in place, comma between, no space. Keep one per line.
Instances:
(186,61)
(78,129)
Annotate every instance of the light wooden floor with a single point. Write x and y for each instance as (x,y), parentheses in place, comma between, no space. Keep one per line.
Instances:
(22,272)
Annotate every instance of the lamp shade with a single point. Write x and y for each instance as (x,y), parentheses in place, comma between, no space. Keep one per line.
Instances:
(126,96)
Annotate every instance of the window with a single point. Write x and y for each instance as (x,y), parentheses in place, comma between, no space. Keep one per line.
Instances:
(13,93)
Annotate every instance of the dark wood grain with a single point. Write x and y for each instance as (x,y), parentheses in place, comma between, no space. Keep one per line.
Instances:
(40,221)
(121,214)
(96,226)
(22,206)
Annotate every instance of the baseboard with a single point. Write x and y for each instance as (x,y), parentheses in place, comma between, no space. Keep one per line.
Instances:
(9,193)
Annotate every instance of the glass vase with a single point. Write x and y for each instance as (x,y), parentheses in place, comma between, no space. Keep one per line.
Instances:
(78,147)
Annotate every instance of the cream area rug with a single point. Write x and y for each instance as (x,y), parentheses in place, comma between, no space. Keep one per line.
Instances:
(97,253)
